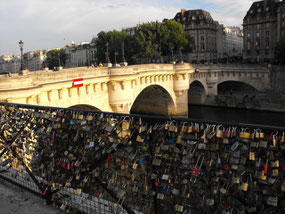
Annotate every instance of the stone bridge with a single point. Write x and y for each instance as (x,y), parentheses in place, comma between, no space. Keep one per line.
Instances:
(155,88)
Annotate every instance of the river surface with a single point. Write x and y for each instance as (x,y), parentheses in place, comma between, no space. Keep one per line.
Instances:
(232,115)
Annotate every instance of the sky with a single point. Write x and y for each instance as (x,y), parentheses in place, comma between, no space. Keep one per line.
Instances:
(47,24)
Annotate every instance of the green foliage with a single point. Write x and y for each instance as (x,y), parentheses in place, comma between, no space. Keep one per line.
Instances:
(155,40)
(280,51)
(55,58)
(115,40)
(151,41)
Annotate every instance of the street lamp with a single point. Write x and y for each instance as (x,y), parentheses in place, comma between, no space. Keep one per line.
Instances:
(123,52)
(107,53)
(116,54)
(23,67)
(58,59)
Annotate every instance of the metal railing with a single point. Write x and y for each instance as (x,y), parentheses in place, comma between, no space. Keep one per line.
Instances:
(101,162)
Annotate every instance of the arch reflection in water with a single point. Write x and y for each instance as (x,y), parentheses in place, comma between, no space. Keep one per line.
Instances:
(196,93)
(85,107)
(153,100)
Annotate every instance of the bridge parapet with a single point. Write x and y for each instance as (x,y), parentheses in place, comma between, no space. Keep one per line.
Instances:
(109,89)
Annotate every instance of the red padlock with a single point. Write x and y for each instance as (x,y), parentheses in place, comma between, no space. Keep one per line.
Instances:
(110,159)
(283,168)
(266,168)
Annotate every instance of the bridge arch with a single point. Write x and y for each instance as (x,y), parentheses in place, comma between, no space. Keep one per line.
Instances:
(85,107)
(197,93)
(153,100)
(237,88)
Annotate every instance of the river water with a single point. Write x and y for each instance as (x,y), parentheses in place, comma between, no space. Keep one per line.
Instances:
(232,115)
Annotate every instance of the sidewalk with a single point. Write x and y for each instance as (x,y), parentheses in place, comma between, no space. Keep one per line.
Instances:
(14,200)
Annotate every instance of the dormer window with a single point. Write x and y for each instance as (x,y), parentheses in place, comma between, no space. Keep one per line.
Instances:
(197,12)
(201,17)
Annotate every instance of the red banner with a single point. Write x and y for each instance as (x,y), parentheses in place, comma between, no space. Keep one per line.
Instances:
(78,82)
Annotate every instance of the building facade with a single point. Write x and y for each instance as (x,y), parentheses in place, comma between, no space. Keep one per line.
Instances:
(34,60)
(10,64)
(206,33)
(262,29)
(281,21)
(80,54)
(233,42)
(131,30)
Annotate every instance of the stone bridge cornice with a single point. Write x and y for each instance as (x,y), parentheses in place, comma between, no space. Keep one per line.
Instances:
(116,88)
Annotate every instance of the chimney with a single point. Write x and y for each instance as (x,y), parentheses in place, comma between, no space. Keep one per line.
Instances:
(182,12)
(265,3)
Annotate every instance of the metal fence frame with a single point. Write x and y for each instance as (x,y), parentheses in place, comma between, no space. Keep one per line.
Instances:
(29,182)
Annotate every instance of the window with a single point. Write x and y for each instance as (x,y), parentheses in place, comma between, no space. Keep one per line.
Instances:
(193,17)
(259,10)
(257,26)
(248,45)
(202,38)
(248,35)
(267,33)
(267,9)
(251,11)
(257,34)
(248,52)
(201,17)
(266,52)
(202,46)
(267,42)
(267,25)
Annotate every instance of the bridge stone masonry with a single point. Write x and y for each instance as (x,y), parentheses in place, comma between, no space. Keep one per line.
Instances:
(153,88)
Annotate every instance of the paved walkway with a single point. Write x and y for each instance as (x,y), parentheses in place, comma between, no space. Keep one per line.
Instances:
(13,199)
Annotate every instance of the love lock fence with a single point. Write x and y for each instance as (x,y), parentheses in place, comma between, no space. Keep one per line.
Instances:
(98,162)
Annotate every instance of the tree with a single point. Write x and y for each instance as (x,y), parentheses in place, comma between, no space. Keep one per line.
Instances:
(155,40)
(280,51)
(56,58)
(114,40)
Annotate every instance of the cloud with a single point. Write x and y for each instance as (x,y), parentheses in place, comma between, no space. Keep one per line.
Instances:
(229,12)
(43,24)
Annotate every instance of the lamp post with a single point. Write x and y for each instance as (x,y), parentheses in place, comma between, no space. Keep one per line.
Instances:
(116,54)
(88,56)
(107,53)
(123,52)
(23,67)
(124,62)
(58,59)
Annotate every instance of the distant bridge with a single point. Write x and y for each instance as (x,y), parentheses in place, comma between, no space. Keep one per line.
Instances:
(152,88)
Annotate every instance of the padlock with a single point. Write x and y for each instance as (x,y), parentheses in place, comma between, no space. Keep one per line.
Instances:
(173,126)
(220,132)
